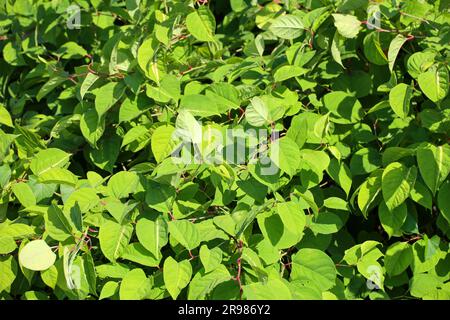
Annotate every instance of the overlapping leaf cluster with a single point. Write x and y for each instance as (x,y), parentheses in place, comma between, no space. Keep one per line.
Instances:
(93,206)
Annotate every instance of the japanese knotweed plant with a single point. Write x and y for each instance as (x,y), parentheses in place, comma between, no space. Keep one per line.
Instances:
(241,149)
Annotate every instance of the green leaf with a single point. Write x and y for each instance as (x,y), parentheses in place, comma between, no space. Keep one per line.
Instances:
(168,90)
(312,166)
(114,238)
(59,176)
(326,223)
(286,72)
(393,154)
(109,290)
(398,258)
(134,134)
(434,83)
(47,159)
(392,220)
(322,126)
(257,113)
(343,107)
(373,50)
(443,200)
(298,131)
(133,107)
(340,173)
(176,275)
(211,259)
(16,230)
(419,62)
(400,98)
(188,128)
(285,154)
(347,25)
(8,272)
(348,5)
(24,194)
(134,286)
(284,226)
(71,50)
(116,208)
(7,244)
(92,126)
(314,266)
(50,85)
(202,285)
(37,256)
(5,117)
(397,183)
(153,234)
(106,96)
(84,198)
(5,175)
(424,285)
(199,105)
(287,27)
(201,24)
(136,252)
(336,45)
(88,82)
(336,203)
(146,58)
(162,142)
(369,191)
(12,55)
(273,289)
(365,160)
(106,156)
(370,269)
(112,270)
(394,48)
(434,165)
(185,233)
(57,225)
(224,94)
(421,195)
(122,184)
(160,197)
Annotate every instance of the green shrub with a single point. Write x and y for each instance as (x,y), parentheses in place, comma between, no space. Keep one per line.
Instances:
(236,149)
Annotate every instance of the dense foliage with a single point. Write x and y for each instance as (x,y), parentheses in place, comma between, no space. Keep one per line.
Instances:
(339,110)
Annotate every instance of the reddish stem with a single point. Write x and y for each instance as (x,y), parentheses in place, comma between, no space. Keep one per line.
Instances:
(72,78)
(91,62)
(311,40)
(415,238)
(239,272)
